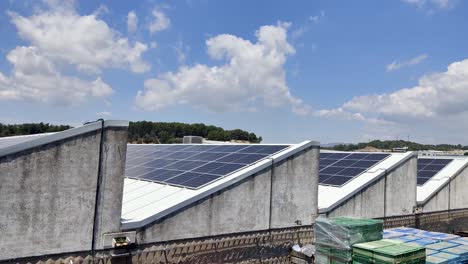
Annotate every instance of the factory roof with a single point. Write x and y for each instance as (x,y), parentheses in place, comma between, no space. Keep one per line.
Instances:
(145,201)
(357,177)
(429,187)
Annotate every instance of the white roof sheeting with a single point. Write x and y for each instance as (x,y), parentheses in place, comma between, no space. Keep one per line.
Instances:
(145,202)
(438,181)
(330,197)
(13,140)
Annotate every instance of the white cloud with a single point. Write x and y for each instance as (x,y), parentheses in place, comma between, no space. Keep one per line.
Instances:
(153,44)
(60,40)
(83,41)
(160,21)
(317,18)
(395,65)
(132,22)
(432,4)
(252,74)
(437,95)
(181,51)
(35,78)
(105,113)
(300,31)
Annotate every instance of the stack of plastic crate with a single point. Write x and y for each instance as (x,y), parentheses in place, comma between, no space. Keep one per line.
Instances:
(400,253)
(364,252)
(387,251)
(334,237)
(447,258)
(460,251)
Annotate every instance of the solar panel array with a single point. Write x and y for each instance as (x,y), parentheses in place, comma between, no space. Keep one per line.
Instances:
(427,168)
(338,168)
(192,166)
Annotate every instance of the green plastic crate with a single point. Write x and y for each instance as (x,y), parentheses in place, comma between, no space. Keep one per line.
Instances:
(367,249)
(343,232)
(400,253)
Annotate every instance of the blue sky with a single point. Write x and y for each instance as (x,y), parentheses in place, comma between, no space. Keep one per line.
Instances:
(332,71)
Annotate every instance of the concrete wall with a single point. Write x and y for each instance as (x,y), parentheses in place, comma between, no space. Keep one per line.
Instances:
(452,196)
(368,203)
(47,194)
(292,196)
(245,207)
(392,195)
(112,182)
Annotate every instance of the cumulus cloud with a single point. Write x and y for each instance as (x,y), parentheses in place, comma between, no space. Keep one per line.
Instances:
(132,22)
(35,78)
(159,22)
(83,41)
(395,65)
(61,43)
(437,95)
(253,73)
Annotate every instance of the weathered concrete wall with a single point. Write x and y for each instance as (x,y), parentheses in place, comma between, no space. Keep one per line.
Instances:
(368,203)
(47,198)
(112,182)
(245,207)
(47,195)
(293,180)
(458,191)
(401,188)
(452,196)
(242,208)
(392,195)
(439,202)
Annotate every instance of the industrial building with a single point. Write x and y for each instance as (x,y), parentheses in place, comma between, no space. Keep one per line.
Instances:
(60,192)
(373,185)
(442,183)
(85,194)
(68,193)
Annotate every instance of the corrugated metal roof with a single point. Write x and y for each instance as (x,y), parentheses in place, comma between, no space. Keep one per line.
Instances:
(330,197)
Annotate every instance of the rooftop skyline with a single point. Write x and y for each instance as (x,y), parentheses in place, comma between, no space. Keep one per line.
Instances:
(321,70)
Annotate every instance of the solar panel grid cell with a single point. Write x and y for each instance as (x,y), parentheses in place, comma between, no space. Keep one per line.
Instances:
(192,166)
(428,168)
(338,168)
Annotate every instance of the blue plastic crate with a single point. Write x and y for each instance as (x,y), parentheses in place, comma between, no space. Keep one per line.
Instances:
(436,260)
(405,239)
(441,245)
(405,230)
(425,241)
(461,251)
(430,252)
(437,235)
(451,258)
(390,234)
(461,241)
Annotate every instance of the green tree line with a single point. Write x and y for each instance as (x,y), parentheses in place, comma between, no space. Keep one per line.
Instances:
(390,144)
(144,131)
(28,129)
(166,133)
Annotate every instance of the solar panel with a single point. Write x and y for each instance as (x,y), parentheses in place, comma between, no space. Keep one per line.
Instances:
(192,166)
(338,168)
(427,168)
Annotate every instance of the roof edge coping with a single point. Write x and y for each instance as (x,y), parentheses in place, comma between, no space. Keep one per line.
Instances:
(61,136)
